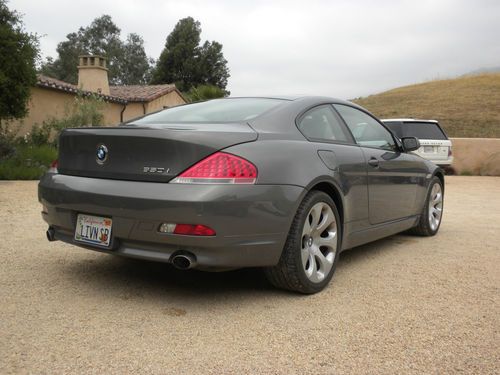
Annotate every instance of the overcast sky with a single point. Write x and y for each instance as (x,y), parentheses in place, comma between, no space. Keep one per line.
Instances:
(337,48)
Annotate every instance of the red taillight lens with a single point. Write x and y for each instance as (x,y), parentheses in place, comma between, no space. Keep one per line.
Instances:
(449,152)
(186,229)
(219,168)
(53,167)
(194,230)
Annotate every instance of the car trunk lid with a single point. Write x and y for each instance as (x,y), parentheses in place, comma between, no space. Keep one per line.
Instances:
(156,153)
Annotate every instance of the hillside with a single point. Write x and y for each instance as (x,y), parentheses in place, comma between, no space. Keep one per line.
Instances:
(467,106)
(487,70)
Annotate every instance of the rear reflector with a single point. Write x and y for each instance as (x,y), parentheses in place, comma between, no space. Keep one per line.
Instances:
(219,168)
(186,229)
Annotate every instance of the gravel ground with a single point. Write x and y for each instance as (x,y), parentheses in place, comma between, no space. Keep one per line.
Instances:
(399,305)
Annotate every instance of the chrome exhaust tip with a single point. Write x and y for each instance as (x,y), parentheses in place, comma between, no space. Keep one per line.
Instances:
(184,261)
(51,234)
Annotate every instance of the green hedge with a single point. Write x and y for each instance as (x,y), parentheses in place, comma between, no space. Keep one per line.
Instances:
(27,162)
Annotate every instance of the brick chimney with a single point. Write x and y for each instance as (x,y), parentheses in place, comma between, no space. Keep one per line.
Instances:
(93,74)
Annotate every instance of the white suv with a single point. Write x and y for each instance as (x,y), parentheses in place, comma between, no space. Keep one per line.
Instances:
(435,145)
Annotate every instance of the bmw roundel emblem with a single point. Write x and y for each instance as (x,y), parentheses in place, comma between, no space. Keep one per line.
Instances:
(101,154)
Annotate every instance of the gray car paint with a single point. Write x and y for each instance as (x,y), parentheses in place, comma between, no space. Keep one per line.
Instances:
(170,147)
(251,221)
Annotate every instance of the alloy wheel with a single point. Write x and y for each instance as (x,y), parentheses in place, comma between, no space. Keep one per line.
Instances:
(319,242)
(435,206)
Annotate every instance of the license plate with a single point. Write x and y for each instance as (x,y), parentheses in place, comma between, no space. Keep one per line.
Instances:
(428,149)
(94,230)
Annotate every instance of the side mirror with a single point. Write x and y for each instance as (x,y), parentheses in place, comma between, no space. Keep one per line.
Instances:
(410,143)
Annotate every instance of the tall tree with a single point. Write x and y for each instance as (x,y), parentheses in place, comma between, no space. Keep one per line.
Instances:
(213,66)
(101,37)
(135,66)
(188,64)
(18,54)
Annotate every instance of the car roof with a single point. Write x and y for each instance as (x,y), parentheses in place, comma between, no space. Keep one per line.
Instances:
(408,120)
(279,97)
(292,98)
(301,99)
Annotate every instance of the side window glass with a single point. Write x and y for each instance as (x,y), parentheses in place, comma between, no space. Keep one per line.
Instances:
(365,129)
(321,124)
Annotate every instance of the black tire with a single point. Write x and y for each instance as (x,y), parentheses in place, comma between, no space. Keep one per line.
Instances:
(289,273)
(423,228)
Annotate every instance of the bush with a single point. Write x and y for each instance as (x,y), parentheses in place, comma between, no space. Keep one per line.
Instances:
(86,111)
(28,162)
(6,148)
(40,135)
(29,157)
(7,140)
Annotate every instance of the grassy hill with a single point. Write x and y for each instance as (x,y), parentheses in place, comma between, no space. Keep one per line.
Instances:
(467,106)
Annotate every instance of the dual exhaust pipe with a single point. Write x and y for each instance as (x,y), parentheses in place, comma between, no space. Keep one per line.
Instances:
(180,260)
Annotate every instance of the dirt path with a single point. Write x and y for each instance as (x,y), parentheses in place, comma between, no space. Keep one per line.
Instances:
(400,305)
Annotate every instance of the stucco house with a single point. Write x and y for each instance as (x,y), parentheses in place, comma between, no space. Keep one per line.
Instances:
(51,98)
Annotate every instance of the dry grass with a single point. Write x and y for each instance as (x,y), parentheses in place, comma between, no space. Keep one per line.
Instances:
(468,106)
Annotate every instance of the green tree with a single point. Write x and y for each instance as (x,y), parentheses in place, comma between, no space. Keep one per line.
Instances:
(186,63)
(101,37)
(213,66)
(135,66)
(19,51)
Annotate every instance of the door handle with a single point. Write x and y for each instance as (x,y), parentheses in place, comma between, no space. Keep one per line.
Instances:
(373,162)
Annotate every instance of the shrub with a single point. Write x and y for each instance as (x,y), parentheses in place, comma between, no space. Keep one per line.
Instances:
(29,162)
(6,148)
(39,135)
(6,143)
(85,111)
(28,157)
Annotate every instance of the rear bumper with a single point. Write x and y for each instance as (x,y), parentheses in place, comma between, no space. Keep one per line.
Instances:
(251,221)
(443,163)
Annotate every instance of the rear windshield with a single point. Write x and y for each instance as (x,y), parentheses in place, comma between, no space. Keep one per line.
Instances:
(421,130)
(217,110)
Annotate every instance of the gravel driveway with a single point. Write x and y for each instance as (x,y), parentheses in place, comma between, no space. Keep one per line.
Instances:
(400,305)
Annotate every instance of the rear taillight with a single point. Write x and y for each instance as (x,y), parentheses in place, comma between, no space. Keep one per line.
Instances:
(219,168)
(53,167)
(449,152)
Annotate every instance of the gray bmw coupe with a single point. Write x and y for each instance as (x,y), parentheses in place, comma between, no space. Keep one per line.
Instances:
(275,182)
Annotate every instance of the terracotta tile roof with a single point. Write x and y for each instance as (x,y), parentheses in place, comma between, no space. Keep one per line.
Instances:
(141,93)
(52,83)
(118,94)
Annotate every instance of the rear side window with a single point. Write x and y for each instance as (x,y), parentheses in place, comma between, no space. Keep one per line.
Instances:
(367,131)
(395,127)
(322,124)
(423,130)
(212,111)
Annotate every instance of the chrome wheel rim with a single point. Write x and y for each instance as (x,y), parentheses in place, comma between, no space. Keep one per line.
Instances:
(435,206)
(319,242)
